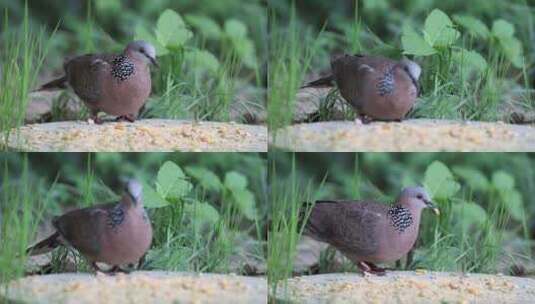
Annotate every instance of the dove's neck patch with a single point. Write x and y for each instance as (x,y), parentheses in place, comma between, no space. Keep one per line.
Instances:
(116,216)
(385,84)
(400,217)
(122,68)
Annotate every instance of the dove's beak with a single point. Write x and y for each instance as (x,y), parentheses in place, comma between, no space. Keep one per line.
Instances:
(154,62)
(433,207)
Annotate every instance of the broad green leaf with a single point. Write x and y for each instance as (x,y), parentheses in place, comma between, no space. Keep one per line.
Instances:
(503,181)
(206,26)
(140,33)
(108,6)
(473,177)
(206,178)
(470,58)
(379,5)
(171,181)
(201,213)
(474,26)
(512,48)
(514,204)
(171,30)
(235,181)
(245,202)
(202,60)
(151,198)
(502,28)
(414,44)
(438,29)
(245,50)
(469,214)
(235,29)
(440,182)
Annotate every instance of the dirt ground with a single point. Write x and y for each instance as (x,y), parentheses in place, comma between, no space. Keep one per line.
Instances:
(143,135)
(408,287)
(138,287)
(407,136)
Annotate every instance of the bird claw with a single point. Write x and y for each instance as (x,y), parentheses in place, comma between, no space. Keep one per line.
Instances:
(370,268)
(363,120)
(94,120)
(128,117)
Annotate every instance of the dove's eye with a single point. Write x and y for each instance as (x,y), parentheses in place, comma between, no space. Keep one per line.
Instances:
(419,196)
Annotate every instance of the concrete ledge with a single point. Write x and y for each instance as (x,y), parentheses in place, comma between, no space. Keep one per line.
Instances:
(408,287)
(408,136)
(138,287)
(143,135)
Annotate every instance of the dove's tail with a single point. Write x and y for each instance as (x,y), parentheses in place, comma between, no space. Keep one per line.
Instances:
(56,84)
(322,82)
(45,245)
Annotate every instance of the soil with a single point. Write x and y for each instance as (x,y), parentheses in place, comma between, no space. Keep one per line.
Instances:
(142,135)
(407,136)
(138,287)
(408,287)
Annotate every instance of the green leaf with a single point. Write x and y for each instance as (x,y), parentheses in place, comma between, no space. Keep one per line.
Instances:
(243,198)
(474,26)
(476,180)
(141,33)
(171,30)
(201,213)
(235,29)
(235,181)
(206,178)
(514,204)
(414,44)
(503,181)
(470,58)
(438,29)
(502,28)
(469,214)
(202,60)
(206,26)
(171,182)
(512,48)
(379,5)
(243,46)
(245,202)
(440,182)
(151,198)
(245,50)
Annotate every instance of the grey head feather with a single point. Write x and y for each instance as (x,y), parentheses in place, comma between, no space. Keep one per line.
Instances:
(135,190)
(144,48)
(412,68)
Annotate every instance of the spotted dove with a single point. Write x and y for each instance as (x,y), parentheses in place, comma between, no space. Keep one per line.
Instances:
(378,88)
(368,232)
(116,233)
(117,84)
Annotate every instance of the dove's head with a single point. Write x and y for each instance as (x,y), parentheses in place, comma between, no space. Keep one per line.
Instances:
(412,68)
(416,198)
(142,50)
(134,191)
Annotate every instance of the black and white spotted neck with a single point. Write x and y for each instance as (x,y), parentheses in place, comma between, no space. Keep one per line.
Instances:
(116,216)
(122,68)
(400,217)
(385,84)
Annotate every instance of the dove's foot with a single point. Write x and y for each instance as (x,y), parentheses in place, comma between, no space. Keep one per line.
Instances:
(128,117)
(371,268)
